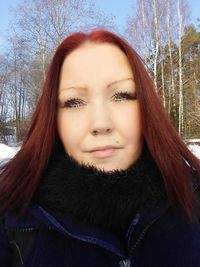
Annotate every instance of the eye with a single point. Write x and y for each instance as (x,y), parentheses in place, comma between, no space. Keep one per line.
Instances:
(120,96)
(72,103)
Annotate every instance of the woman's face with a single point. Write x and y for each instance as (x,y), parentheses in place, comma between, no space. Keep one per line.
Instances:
(98,114)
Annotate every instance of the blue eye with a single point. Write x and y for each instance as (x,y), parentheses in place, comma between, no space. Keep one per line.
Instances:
(120,96)
(77,102)
(72,103)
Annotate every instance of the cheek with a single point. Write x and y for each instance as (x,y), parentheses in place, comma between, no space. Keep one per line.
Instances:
(69,131)
(131,126)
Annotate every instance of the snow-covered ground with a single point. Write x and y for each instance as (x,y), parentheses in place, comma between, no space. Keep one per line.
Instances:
(7,152)
(195,150)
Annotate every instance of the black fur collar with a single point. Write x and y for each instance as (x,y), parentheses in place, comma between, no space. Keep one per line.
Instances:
(105,199)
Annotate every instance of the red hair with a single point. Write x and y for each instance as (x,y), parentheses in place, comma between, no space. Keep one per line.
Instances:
(21,176)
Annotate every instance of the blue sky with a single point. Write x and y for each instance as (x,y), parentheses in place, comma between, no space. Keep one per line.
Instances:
(119,8)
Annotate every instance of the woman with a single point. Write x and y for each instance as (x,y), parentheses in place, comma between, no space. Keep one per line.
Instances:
(102,178)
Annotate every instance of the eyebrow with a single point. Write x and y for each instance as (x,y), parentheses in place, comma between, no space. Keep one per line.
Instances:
(83,88)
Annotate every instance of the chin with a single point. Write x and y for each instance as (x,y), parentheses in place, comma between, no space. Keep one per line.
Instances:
(109,168)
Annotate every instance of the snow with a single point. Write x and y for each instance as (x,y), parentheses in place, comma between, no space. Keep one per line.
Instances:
(7,152)
(195,150)
(193,140)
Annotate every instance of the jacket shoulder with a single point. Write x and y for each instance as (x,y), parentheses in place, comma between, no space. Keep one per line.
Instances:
(174,242)
(5,251)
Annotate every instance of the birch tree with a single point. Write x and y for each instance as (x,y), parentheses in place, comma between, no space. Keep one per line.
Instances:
(170,27)
(143,30)
(156,30)
(180,27)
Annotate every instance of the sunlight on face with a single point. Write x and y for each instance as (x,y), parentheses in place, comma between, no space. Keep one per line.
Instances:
(98,116)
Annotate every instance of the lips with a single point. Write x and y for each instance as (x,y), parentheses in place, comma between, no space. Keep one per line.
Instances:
(100,148)
(104,151)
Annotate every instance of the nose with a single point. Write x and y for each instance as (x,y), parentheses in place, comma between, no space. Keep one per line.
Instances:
(100,120)
(101,131)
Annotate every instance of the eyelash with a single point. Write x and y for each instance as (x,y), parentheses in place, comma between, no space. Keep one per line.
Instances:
(70,102)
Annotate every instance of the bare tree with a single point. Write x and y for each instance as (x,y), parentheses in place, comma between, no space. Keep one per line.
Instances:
(143,30)
(170,28)
(4,79)
(43,24)
(182,16)
(156,31)
(16,89)
(180,119)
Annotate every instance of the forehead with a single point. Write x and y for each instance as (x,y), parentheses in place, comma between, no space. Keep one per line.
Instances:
(94,63)
(91,50)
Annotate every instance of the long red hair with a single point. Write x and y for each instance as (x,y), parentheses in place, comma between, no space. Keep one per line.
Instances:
(21,176)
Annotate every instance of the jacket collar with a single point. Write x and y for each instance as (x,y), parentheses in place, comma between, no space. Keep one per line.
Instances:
(37,217)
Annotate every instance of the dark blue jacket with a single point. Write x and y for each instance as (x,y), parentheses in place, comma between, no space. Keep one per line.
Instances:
(156,238)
